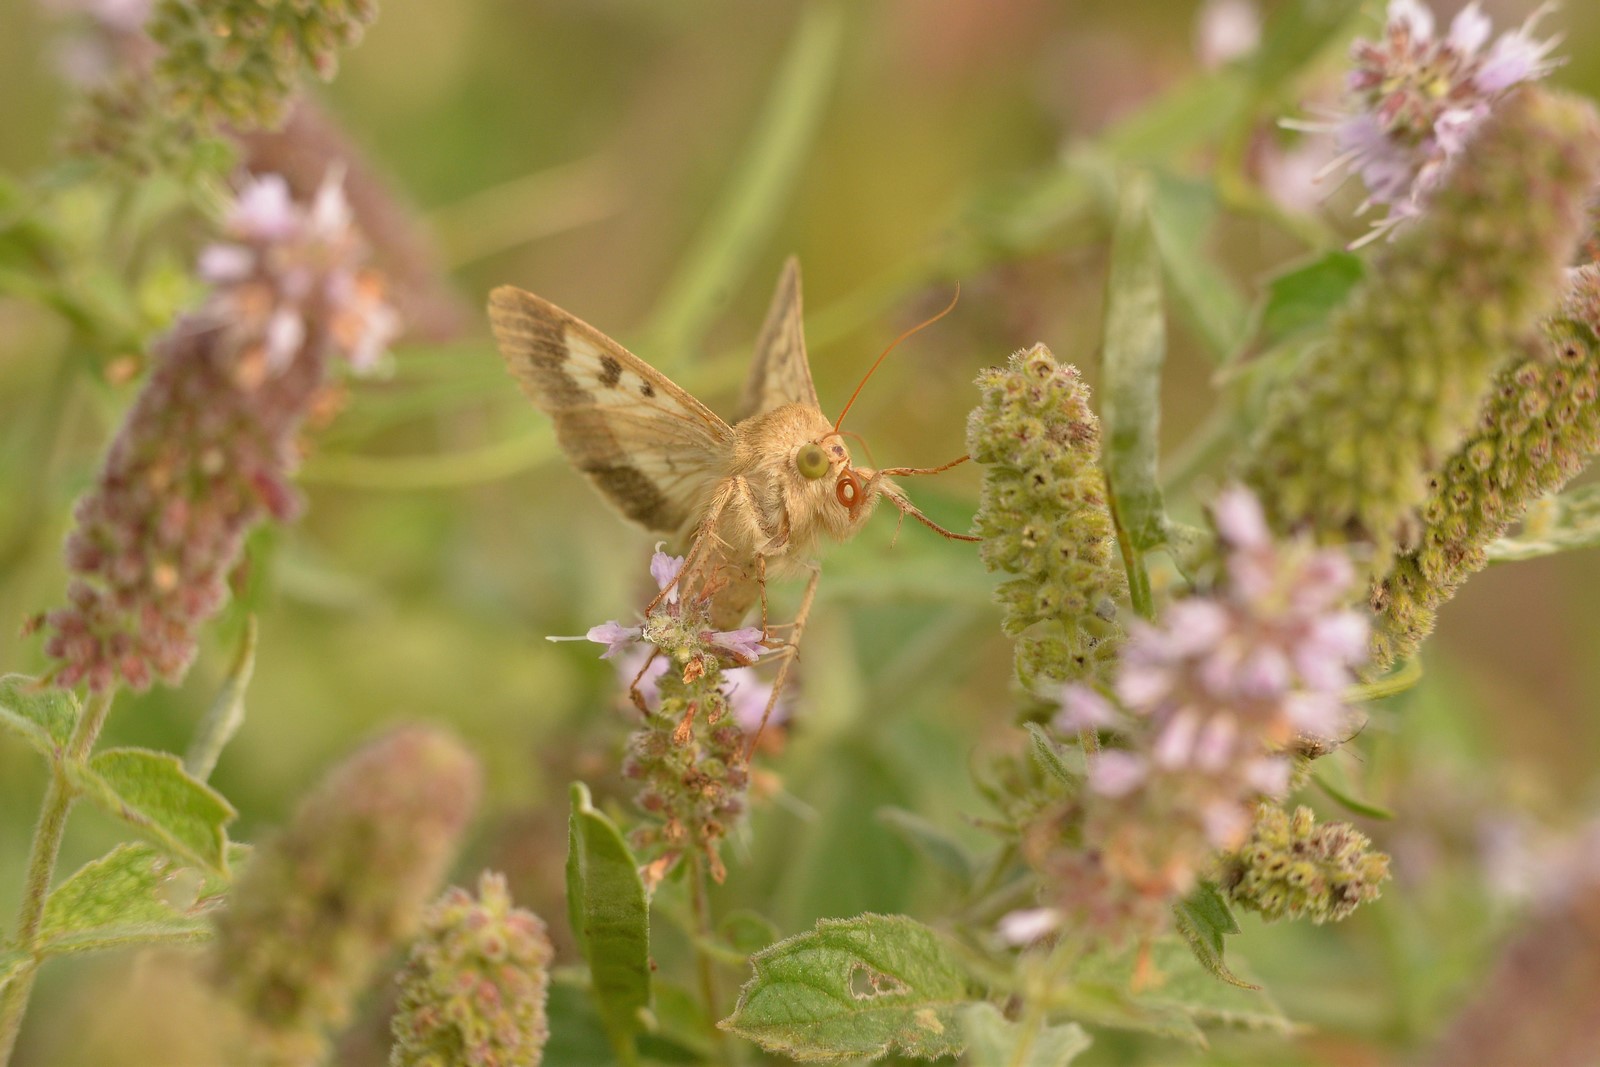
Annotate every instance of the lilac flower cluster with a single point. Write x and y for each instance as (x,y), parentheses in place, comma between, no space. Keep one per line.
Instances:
(699,698)
(1210,699)
(1415,100)
(206,451)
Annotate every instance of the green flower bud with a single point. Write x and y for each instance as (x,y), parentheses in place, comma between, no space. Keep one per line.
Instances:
(1044,517)
(1400,380)
(1538,428)
(1292,868)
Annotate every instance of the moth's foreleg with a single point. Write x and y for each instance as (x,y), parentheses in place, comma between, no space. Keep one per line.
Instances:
(793,650)
(633,687)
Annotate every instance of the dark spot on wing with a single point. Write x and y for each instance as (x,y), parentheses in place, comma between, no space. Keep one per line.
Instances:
(647,389)
(631,491)
(610,371)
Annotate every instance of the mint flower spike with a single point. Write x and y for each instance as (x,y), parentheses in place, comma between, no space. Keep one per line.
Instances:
(473,990)
(1414,101)
(1211,696)
(1538,428)
(1397,384)
(1045,520)
(324,902)
(208,447)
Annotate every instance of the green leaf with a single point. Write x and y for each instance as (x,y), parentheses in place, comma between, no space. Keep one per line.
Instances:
(135,894)
(942,851)
(1173,996)
(1303,297)
(1182,214)
(993,1041)
(40,714)
(610,917)
(226,713)
(1048,756)
(1204,919)
(1132,352)
(1560,524)
(859,987)
(151,792)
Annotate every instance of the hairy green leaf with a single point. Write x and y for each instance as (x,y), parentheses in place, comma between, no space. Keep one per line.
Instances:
(610,917)
(995,1041)
(1048,756)
(135,894)
(943,852)
(1204,919)
(42,716)
(860,987)
(1561,524)
(151,792)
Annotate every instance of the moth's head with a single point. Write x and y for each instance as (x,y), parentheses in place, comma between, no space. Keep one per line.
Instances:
(838,495)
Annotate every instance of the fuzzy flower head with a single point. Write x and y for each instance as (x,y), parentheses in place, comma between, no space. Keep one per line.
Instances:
(289,268)
(473,990)
(1414,99)
(1211,697)
(209,446)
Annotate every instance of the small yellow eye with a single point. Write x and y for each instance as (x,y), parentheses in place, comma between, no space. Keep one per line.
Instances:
(812,460)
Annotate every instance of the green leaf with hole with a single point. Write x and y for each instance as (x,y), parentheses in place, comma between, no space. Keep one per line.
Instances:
(40,714)
(853,988)
(151,792)
(134,895)
(610,917)
(995,1041)
(1204,919)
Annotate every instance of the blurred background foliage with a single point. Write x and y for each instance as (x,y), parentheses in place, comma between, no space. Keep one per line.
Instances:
(648,166)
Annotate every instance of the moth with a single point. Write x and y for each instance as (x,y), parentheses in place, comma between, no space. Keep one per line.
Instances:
(748,501)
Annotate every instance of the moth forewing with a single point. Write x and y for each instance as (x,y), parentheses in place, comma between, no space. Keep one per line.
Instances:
(650,447)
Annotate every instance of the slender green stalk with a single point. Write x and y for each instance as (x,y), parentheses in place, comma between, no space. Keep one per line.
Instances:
(752,204)
(226,713)
(1036,995)
(42,856)
(700,904)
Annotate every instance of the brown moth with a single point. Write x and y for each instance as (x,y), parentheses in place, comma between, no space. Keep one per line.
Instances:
(744,501)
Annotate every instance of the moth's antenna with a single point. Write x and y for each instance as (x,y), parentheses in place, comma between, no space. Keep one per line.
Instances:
(871,370)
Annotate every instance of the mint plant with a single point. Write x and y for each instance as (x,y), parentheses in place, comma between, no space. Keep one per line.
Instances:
(770,855)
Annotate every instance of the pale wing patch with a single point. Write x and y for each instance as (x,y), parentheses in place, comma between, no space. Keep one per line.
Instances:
(781,373)
(656,452)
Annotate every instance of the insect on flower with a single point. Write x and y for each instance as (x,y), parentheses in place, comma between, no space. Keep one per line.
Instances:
(748,500)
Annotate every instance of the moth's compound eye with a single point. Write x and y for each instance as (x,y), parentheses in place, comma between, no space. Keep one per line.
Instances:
(812,460)
(848,491)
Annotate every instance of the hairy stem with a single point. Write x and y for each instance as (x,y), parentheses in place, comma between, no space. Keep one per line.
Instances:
(42,855)
(700,904)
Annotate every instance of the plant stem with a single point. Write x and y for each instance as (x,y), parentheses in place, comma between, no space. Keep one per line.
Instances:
(1038,998)
(42,856)
(700,904)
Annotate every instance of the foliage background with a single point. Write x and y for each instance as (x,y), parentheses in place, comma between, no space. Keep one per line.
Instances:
(576,149)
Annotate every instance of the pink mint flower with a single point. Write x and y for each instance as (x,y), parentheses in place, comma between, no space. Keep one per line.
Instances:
(1413,101)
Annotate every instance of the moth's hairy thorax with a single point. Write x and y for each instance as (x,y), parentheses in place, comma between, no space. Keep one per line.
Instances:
(796,512)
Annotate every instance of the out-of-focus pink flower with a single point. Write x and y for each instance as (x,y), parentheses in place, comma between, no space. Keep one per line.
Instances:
(1226,30)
